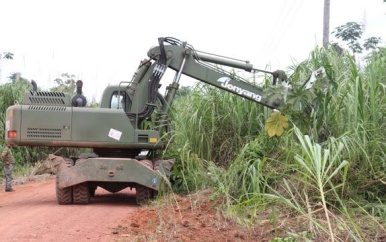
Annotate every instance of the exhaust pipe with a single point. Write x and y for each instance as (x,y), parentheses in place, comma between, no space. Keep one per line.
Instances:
(34,87)
(79,100)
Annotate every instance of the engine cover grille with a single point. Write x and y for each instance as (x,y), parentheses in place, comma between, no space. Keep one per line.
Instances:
(46,108)
(44,133)
(47,98)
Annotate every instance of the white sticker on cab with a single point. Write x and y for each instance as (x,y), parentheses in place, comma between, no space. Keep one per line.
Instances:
(115,134)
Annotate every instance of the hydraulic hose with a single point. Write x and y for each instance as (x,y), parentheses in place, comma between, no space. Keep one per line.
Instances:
(155,79)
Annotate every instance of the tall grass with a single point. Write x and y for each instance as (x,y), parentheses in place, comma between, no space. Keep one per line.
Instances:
(353,107)
(334,163)
(318,168)
(216,124)
(190,172)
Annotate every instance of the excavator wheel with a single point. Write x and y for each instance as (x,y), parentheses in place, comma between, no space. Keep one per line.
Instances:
(63,195)
(143,194)
(81,194)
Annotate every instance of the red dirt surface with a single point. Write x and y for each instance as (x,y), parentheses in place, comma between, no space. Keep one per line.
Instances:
(31,213)
(189,218)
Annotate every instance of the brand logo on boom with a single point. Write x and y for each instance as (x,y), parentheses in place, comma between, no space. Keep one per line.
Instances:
(225,83)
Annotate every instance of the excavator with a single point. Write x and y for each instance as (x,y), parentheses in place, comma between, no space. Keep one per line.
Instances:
(124,145)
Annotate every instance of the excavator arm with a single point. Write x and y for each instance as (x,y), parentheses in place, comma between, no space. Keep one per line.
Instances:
(208,68)
(205,67)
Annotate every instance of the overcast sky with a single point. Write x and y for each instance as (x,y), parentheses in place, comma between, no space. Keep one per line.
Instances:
(102,42)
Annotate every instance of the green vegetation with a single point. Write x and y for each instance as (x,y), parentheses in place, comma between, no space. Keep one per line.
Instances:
(328,167)
(11,93)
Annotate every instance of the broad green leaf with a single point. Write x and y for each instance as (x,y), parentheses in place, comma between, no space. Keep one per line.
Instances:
(300,98)
(275,93)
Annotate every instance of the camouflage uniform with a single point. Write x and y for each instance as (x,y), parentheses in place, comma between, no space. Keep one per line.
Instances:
(8,168)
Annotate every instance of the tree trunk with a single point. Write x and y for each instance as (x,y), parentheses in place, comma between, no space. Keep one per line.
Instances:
(326,23)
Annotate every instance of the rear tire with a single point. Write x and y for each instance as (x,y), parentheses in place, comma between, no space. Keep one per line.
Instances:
(81,194)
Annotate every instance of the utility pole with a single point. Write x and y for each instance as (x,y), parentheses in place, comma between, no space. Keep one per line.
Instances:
(326,23)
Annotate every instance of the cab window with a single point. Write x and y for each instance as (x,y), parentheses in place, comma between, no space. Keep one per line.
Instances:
(117,101)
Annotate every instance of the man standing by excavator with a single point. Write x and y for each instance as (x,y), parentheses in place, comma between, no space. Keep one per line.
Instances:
(8,160)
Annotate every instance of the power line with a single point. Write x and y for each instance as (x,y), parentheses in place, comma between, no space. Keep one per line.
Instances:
(283,23)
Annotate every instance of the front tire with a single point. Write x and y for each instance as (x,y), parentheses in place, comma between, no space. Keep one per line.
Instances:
(143,194)
(63,195)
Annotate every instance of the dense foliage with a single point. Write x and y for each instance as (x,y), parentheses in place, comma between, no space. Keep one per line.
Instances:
(331,159)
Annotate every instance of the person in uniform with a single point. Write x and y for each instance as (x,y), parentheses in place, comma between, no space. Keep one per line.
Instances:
(8,160)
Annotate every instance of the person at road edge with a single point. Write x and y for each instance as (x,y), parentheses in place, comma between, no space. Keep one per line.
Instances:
(8,160)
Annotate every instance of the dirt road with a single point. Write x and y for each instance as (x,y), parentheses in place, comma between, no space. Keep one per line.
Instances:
(31,213)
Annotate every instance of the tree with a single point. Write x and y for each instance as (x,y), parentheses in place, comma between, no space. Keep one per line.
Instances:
(6,55)
(372,43)
(16,77)
(351,33)
(65,84)
(326,23)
